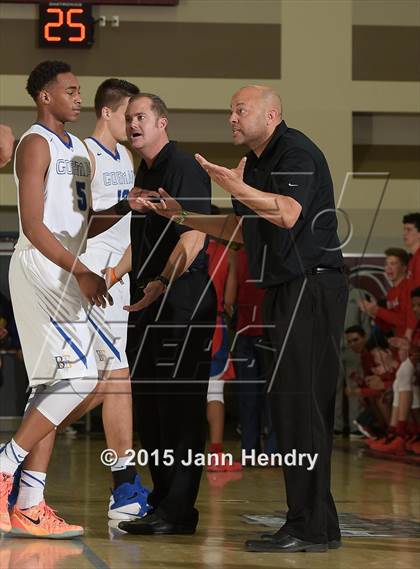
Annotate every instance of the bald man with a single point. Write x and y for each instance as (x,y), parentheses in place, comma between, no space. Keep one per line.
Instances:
(284,213)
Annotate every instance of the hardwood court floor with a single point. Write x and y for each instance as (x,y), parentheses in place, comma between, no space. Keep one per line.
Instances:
(379,504)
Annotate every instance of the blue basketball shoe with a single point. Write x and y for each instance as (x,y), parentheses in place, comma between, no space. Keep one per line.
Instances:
(128,501)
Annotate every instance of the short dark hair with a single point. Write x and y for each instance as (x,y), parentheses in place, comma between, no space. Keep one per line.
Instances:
(413,218)
(401,254)
(111,92)
(157,104)
(356,329)
(44,73)
(415,292)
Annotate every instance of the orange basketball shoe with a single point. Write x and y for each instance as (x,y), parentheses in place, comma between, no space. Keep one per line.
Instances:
(42,522)
(6,484)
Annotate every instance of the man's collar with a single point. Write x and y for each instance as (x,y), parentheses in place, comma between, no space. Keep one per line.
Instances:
(160,157)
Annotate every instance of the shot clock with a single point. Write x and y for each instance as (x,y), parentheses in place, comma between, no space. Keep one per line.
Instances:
(65,24)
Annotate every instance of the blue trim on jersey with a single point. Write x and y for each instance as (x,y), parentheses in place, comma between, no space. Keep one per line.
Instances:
(70,342)
(105,339)
(68,145)
(115,156)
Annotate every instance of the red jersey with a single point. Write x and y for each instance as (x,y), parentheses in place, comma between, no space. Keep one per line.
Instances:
(394,316)
(413,277)
(249,299)
(218,270)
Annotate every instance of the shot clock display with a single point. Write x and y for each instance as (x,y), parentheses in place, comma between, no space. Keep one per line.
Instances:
(65,24)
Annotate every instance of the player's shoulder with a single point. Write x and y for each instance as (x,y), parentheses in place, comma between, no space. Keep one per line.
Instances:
(32,141)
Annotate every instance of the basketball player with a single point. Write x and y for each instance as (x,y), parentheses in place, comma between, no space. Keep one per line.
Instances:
(112,178)
(51,288)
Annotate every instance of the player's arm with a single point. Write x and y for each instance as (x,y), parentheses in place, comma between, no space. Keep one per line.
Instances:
(32,162)
(185,251)
(115,274)
(100,221)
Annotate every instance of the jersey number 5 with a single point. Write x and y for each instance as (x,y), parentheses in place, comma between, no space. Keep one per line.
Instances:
(81,195)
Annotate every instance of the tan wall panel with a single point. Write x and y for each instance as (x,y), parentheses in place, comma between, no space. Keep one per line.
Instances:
(402,162)
(154,49)
(386,53)
(386,12)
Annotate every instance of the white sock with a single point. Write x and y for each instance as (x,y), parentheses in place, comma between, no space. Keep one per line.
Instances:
(121,463)
(31,489)
(11,457)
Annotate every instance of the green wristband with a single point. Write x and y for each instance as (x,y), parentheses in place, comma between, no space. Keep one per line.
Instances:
(181,217)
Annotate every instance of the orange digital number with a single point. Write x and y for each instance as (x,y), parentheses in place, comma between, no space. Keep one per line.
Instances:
(81,27)
(58,24)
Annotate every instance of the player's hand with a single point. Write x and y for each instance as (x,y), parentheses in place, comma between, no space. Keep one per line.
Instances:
(6,144)
(151,292)
(111,277)
(137,196)
(228,179)
(93,287)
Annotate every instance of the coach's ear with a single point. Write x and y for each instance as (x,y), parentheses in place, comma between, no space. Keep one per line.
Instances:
(163,123)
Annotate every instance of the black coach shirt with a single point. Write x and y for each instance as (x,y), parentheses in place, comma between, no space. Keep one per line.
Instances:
(290,165)
(154,237)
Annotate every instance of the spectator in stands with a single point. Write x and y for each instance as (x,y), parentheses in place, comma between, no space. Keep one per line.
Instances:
(411,236)
(392,317)
(355,339)
(345,409)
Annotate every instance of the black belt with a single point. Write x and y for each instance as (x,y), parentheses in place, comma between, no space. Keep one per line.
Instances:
(318,270)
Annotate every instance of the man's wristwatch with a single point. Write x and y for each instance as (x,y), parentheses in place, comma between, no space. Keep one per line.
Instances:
(181,217)
(162,279)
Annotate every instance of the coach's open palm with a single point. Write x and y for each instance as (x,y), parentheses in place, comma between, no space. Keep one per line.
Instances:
(94,289)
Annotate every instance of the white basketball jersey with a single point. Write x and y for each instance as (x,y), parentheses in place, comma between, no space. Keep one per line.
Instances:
(113,179)
(66,190)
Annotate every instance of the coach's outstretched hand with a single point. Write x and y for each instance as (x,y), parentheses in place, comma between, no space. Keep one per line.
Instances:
(228,179)
(94,288)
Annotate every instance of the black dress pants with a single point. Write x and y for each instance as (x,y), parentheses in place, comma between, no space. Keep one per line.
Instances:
(169,352)
(304,321)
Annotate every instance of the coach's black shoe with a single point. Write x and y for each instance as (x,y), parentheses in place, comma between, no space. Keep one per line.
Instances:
(153,524)
(332,543)
(285,544)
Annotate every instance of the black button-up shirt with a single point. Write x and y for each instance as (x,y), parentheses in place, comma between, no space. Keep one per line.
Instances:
(154,237)
(290,165)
